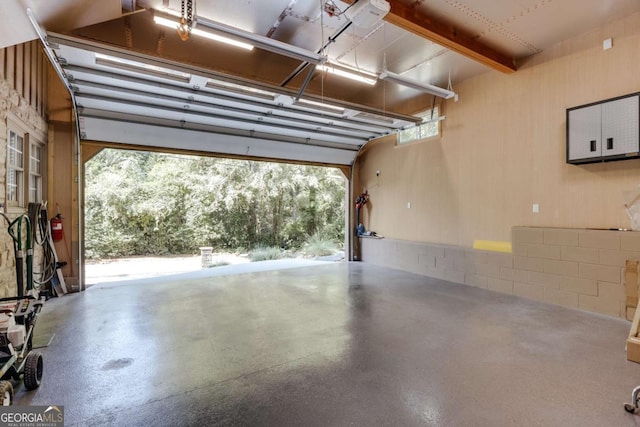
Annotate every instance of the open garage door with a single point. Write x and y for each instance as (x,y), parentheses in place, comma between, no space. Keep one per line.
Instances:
(153,214)
(139,100)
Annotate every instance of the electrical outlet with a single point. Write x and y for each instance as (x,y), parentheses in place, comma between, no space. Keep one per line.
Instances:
(378,173)
(535,208)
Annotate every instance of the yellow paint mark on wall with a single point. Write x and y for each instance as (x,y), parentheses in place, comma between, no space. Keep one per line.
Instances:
(492,245)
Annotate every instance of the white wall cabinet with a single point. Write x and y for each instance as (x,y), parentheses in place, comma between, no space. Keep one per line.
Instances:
(604,131)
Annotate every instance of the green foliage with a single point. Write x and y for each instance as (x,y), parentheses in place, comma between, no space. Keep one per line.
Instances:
(265,253)
(319,245)
(217,264)
(140,203)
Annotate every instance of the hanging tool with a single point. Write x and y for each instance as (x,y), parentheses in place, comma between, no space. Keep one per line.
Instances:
(15,231)
(361,200)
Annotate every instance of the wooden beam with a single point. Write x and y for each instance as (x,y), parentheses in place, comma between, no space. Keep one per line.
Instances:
(446,35)
(346,171)
(411,19)
(19,64)
(3,53)
(59,105)
(26,76)
(33,85)
(10,66)
(89,151)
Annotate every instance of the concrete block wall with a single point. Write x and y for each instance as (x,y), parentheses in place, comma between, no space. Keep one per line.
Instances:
(570,267)
(581,268)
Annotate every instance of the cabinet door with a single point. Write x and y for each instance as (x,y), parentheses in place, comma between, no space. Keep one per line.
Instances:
(620,130)
(584,132)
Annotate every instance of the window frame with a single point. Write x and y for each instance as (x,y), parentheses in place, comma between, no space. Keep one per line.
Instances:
(15,170)
(30,138)
(35,147)
(426,115)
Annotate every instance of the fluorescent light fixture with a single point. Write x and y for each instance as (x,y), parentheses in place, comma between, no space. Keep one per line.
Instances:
(245,39)
(358,76)
(415,84)
(321,105)
(263,42)
(374,117)
(211,36)
(171,23)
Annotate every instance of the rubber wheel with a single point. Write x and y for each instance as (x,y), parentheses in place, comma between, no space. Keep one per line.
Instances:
(33,370)
(6,393)
(629,408)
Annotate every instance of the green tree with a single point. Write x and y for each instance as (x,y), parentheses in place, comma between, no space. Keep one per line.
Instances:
(141,203)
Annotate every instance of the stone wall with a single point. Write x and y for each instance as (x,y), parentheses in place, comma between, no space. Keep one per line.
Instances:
(575,268)
(12,104)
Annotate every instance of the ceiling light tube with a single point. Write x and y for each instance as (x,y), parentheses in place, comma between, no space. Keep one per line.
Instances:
(362,78)
(415,84)
(170,23)
(262,42)
(211,36)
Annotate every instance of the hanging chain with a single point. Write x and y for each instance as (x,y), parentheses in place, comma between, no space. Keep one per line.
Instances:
(186,20)
(190,12)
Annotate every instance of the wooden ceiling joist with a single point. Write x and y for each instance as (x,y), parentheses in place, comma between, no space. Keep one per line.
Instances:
(409,18)
(412,20)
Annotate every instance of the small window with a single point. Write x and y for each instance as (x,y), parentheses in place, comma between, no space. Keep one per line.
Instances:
(26,166)
(429,128)
(15,170)
(35,173)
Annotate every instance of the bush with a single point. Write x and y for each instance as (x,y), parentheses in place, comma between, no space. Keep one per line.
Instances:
(264,253)
(217,264)
(319,245)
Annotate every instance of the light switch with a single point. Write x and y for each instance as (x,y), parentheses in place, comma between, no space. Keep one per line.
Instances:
(408,205)
(536,208)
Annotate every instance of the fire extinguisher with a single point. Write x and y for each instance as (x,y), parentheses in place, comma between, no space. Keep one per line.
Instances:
(56,228)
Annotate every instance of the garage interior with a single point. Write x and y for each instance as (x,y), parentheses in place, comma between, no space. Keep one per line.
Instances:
(495,290)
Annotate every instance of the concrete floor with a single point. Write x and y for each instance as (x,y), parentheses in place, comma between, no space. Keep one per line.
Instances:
(329,345)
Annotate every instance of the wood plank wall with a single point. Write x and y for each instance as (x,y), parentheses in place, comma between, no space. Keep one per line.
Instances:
(24,66)
(64,172)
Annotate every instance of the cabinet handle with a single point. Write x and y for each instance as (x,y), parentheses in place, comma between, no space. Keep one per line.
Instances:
(609,143)
(593,145)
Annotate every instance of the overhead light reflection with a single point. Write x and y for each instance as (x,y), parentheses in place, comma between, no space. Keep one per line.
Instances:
(206,34)
(361,77)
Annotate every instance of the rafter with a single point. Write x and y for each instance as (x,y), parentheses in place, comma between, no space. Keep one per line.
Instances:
(413,20)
